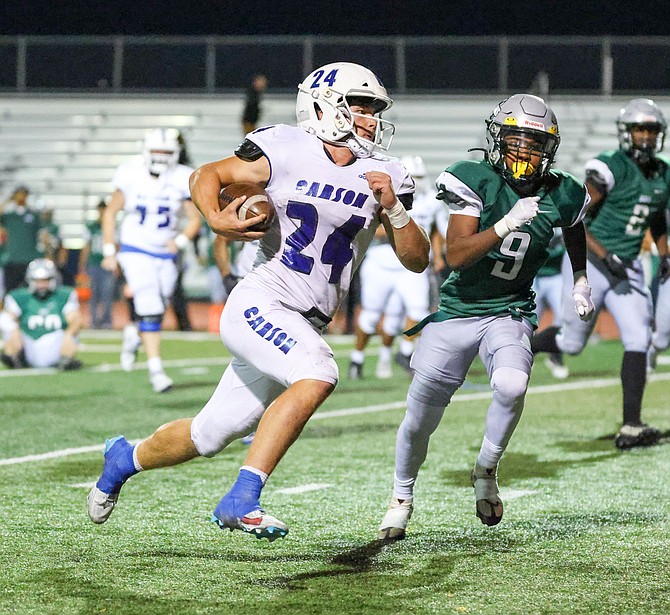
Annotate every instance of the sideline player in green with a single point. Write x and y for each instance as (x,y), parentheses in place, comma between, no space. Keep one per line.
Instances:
(629,190)
(40,323)
(503,211)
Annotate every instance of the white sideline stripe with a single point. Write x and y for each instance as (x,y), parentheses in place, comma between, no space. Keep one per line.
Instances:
(539,390)
(303,488)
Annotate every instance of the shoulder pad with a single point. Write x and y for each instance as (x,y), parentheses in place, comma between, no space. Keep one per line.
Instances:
(407,200)
(248,151)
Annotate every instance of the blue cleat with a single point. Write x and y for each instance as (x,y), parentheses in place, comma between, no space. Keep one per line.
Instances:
(240,509)
(117,469)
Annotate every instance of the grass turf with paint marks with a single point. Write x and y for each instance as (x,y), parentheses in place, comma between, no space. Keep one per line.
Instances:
(585,527)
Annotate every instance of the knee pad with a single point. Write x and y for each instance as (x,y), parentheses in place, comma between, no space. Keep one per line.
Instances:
(150,323)
(432,392)
(393,324)
(367,321)
(509,383)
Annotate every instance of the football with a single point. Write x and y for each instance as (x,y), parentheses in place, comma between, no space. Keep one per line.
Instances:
(257,203)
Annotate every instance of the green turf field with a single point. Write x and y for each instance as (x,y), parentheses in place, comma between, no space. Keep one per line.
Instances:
(586,528)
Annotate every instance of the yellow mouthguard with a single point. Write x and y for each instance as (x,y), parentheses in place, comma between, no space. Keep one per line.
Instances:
(521,168)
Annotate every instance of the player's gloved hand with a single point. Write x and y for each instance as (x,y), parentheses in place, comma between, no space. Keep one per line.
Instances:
(615,266)
(664,268)
(581,295)
(523,212)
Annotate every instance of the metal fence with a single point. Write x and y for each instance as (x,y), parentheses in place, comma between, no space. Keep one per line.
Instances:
(408,65)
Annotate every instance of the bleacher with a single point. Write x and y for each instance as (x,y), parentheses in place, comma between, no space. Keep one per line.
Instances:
(66,149)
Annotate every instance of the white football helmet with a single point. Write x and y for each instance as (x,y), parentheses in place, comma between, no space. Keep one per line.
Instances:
(161,149)
(415,166)
(522,115)
(641,112)
(323,106)
(41,269)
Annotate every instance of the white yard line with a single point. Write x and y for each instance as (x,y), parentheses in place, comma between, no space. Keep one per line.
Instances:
(304,488)
(397,405)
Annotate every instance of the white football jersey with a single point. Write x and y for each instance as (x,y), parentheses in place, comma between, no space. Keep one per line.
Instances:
(152,204)
(326,218)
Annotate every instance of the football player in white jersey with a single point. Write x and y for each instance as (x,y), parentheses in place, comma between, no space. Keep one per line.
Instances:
(388,289)
(331,189)
(153,193)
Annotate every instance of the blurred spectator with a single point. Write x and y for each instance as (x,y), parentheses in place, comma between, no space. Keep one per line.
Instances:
(102,282)
(20,225)
(252,103)
(50,242)
(40,324)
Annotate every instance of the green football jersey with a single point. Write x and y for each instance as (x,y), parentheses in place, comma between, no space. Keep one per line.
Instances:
(37,317)
(94,237)
(22,226)
(623,218)
(501,281)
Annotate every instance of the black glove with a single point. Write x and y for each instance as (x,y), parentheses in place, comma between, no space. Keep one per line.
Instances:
(67,364)
(664,268)
(229,282)
(615,266)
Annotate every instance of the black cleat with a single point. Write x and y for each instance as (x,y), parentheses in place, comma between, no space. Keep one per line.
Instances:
(403,360)
(355,371)
(631,436)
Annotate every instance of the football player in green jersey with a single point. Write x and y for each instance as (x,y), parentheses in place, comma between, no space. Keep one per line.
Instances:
(629,190)
(503,211)
(40,323)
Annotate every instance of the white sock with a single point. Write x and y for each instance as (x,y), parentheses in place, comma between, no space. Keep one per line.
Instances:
(155,365)
(385,354)
(489,454)
(357,356)
(136,463)
(406,347)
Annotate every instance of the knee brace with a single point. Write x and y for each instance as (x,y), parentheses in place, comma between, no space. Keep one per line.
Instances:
(150,323)
(393,324)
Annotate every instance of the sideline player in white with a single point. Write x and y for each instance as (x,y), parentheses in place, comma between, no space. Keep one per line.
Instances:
(153,193)
(503,212)
(331,189)
(548,288)
(388,289)
(40,324)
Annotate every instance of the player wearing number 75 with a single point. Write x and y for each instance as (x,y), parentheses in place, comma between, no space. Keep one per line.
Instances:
(503,211)
(153,193)
(331,188)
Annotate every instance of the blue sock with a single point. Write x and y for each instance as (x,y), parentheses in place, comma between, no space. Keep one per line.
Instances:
(247,486)
(119,465)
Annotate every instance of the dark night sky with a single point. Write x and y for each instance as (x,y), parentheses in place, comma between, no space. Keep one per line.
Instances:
(375,17)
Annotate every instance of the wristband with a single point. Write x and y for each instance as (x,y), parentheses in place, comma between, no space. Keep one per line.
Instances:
(181,241)
(501,228)
(108,249)
(398,215)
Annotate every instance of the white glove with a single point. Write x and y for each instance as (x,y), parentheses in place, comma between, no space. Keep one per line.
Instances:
(581,295)
(523,212)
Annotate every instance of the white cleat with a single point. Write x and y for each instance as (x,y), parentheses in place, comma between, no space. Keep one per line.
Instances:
(161,382)
(395,520)
(383,371)
(129,345)
(100,505)
(489,506)
(554,363)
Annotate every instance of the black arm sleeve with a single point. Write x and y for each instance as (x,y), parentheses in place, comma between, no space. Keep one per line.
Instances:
(407,200)
(248,151)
